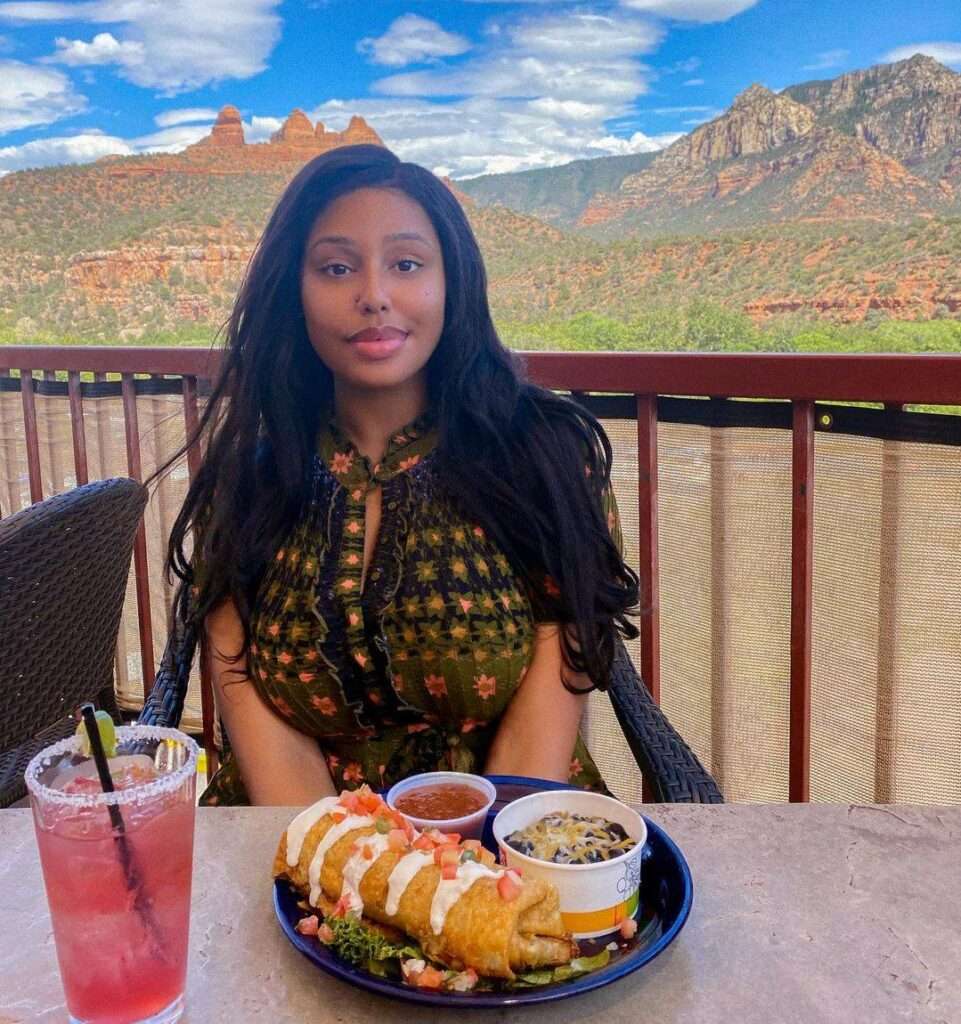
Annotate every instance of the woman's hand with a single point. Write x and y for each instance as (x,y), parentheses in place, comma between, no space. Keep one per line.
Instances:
(537,734)
(279,765)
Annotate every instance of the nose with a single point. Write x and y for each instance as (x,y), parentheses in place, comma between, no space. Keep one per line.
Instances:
(372,294)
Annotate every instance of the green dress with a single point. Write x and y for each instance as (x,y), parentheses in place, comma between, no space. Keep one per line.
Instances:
(414,673)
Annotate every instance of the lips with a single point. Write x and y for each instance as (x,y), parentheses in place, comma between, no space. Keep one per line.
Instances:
(374,334)
(376,343)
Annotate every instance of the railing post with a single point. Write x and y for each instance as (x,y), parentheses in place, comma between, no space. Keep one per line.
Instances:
(802,549)
(647,543)
(141,569)
(28,400)
(76,426)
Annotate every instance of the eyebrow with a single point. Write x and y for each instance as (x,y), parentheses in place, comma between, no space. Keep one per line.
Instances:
(399,236)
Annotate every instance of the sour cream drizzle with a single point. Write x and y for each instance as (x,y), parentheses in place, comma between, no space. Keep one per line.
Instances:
(297,830)
(351,822)
(402,876)
(450,890)
(358,865)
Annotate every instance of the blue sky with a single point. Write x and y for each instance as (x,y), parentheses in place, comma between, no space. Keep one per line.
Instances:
(463,86)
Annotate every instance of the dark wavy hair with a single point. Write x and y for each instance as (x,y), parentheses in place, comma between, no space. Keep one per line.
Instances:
(526,464)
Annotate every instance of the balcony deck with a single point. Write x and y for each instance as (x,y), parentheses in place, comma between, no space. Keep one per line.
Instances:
(799,556)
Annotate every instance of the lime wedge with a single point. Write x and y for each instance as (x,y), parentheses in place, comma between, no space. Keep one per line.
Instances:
(108,735)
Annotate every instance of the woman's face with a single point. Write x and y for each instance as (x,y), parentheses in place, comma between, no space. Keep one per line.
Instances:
(372,289)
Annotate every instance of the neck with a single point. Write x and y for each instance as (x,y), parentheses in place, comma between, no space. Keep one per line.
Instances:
(371,417)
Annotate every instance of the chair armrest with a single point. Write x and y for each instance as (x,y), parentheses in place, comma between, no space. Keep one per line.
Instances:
(665,760)
(165,704)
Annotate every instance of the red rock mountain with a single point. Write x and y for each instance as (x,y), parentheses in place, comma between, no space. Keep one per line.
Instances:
(880,144)
(296,141)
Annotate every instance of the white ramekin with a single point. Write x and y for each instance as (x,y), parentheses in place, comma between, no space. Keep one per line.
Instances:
(470,826)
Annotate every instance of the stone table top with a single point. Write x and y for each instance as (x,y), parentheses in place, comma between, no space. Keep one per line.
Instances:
(802,913)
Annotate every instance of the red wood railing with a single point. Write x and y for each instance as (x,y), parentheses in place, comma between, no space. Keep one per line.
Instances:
(894,380)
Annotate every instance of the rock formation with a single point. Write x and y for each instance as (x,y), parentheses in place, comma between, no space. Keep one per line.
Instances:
(295,142)
(227,132)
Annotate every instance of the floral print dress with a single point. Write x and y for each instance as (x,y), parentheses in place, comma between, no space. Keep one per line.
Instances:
(413,670)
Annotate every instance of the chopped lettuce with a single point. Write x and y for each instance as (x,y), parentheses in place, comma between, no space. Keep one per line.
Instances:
(359,945)
(580,965)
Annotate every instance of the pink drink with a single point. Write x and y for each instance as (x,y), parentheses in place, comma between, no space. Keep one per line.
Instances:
(121,933)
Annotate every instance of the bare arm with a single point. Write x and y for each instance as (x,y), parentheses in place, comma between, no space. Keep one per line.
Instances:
(536,736)
(279,765)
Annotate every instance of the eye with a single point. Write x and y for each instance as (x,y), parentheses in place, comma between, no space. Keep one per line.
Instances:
(333,269)
(409,264)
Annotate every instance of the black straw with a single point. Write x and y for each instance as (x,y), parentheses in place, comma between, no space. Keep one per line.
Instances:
(103,768)
(130,871)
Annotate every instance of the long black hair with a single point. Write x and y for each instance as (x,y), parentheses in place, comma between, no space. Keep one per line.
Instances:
(529,466)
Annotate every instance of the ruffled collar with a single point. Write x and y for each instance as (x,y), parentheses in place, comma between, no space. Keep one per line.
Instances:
(405,450)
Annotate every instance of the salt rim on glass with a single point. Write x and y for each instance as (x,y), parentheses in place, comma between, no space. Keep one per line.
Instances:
(169,782)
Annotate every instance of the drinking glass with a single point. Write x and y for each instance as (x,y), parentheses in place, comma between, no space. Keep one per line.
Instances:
(118,886)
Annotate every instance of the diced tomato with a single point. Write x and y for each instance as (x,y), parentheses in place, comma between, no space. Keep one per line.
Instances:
(450,837)
(423,842)
(430,977)
(448,871)
(342,906)
(628,928)
(338,818)
(472,844)
(487,858)
(446,855)
(396,839)
(350,801)
(368,853)
(508,886)
(308,925)
(325,933)
(369,801)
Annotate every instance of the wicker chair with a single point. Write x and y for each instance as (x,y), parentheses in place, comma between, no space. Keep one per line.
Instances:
(63,576)
(667,763)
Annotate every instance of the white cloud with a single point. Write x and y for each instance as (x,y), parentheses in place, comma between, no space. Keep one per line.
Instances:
(30,95)
(103,49)
(694,81)
(172,46)
(170,140)
(488,135)
(691,10)
(681,110)
(73,149)
(946,53)
(185,115)
(412,39)
(576,56)
(261,128)
(826,59)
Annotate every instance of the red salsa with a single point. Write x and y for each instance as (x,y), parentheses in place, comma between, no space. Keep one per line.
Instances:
(440,802)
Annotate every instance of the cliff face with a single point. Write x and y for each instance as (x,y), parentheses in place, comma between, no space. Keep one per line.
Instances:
(910,110)
(882,144)
(758,121)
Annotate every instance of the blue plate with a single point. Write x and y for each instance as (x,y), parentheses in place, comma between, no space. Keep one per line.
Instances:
(666,898)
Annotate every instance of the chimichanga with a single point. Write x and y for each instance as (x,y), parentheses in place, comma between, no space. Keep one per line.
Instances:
(449,896)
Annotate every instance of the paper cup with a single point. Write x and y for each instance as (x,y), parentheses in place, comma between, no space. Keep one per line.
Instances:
(595,898)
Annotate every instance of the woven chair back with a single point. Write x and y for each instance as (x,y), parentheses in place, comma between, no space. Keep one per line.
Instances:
(63,574)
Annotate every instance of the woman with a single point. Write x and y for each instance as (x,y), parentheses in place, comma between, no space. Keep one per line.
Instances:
(404,558)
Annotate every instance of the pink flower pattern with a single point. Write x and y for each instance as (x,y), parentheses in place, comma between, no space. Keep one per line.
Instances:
(486,686)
